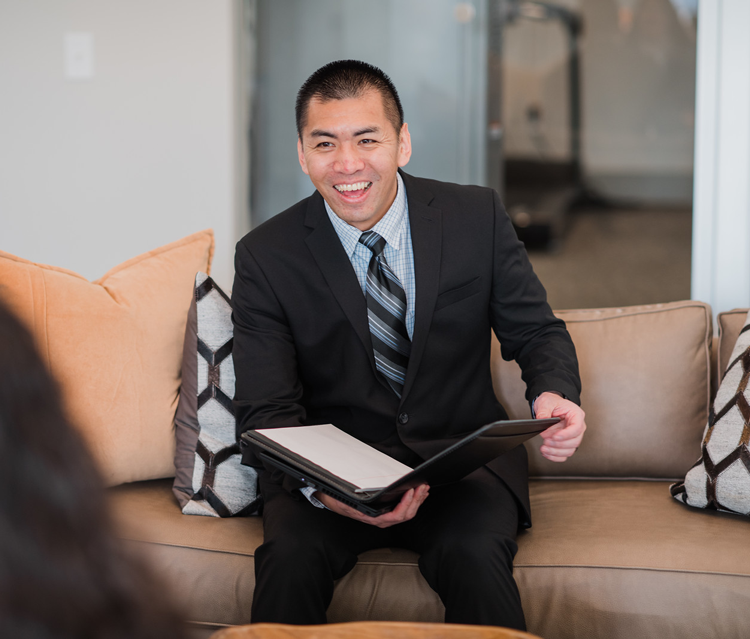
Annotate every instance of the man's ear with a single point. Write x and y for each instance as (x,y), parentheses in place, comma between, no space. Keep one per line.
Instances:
(301,156)
(404,146)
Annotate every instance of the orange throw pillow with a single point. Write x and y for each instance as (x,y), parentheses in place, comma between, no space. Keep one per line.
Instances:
(115,346)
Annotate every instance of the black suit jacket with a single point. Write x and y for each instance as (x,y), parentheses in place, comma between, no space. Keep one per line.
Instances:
(302,349)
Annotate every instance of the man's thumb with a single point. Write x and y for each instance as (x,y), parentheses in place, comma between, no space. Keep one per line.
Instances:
(541,411)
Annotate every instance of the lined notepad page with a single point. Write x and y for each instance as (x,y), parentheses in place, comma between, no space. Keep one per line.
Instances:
(340,454)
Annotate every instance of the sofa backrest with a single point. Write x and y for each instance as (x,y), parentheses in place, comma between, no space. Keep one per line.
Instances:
(730,324)
(646,377)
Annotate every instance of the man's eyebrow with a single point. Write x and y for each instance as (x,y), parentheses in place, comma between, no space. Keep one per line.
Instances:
(370,129)
(322,133)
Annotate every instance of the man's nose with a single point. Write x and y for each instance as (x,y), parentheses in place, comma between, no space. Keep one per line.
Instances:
(348,160)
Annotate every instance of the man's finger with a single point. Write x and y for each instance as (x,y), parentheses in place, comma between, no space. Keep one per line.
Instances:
(542,412)
(571,431)
(420,495)
(558,452)
(402,507)
(412,504)
(565,444)
(557,458)
(552,430)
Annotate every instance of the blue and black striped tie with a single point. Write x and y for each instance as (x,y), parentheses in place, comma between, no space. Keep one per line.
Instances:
(386,311)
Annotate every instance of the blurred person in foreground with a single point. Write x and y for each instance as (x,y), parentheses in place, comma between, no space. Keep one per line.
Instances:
(63,574)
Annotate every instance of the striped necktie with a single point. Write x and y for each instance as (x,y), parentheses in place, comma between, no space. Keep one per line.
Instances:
(386,310)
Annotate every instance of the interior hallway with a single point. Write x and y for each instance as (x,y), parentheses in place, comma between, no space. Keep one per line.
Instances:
(618,257)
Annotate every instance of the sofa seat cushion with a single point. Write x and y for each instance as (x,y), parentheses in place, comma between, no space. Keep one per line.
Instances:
(209,562)
(623,559)
(603,559)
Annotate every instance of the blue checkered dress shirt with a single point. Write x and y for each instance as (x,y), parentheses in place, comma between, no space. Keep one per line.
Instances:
(394,227)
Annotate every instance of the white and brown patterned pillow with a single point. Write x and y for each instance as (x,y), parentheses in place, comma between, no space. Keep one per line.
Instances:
(209,478)
(720,479)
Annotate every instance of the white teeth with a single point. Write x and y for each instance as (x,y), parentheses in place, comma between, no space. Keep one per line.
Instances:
(357,186)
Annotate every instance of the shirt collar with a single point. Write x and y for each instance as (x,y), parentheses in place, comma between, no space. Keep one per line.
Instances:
(390,227)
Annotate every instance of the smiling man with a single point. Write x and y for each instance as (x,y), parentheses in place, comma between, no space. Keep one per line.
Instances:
(369,305)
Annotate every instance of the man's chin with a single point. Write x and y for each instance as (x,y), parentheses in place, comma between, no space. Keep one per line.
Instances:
(348,211)
(362,220)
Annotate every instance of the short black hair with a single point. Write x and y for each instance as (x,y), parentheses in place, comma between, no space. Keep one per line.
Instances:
(344,79)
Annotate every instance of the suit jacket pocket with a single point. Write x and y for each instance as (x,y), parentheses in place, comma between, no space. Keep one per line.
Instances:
(457,294)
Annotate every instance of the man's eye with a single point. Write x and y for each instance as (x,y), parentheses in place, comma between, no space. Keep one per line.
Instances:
(323,144)
(367,141)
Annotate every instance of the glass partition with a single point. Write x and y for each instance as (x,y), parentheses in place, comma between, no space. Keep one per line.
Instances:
(433,50)
(579,112)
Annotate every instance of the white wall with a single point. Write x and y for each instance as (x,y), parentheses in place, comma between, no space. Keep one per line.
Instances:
(721,213)
(95,171)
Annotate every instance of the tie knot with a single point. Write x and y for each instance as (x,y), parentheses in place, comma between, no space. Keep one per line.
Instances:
(373,241)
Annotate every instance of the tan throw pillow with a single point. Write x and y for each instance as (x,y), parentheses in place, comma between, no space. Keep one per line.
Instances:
(115,345)
(720,479)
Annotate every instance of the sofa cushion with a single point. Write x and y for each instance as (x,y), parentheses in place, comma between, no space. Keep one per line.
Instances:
(207,561)
(209,476)
(115,345)
(210,564)
(645,372)
(621,559)
(616,559)
(721,477)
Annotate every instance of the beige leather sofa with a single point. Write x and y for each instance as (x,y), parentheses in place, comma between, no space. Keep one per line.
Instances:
(610,555)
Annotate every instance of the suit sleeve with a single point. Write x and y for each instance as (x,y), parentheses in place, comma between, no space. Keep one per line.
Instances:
(267,388)
(527,329)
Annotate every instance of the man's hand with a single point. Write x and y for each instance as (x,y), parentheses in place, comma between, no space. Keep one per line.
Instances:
(564,438)
(406,509)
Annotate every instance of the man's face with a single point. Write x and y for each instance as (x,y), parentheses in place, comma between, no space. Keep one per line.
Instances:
(352,152)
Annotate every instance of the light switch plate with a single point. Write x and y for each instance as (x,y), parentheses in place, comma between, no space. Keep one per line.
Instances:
(79,55)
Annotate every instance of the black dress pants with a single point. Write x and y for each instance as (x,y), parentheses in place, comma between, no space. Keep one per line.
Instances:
(465,535)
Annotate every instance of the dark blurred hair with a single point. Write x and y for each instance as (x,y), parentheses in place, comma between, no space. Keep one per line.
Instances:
(344,79)
(63,574)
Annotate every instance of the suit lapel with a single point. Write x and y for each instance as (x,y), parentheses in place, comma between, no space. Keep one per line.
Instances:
(337,270)
(426,237)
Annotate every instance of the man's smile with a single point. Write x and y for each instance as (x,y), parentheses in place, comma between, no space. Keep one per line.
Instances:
(357,186)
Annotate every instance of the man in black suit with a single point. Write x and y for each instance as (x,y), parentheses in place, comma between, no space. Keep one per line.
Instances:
(311,346)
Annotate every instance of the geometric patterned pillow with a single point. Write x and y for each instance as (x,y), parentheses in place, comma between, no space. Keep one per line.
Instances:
(209,478)
(720,480)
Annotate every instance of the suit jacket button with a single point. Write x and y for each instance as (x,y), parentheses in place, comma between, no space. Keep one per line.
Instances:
(403,418)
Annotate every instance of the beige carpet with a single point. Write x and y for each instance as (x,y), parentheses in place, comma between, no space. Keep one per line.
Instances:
(618,258)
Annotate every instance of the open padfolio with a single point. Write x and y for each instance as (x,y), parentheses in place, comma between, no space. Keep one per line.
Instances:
(361,476)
